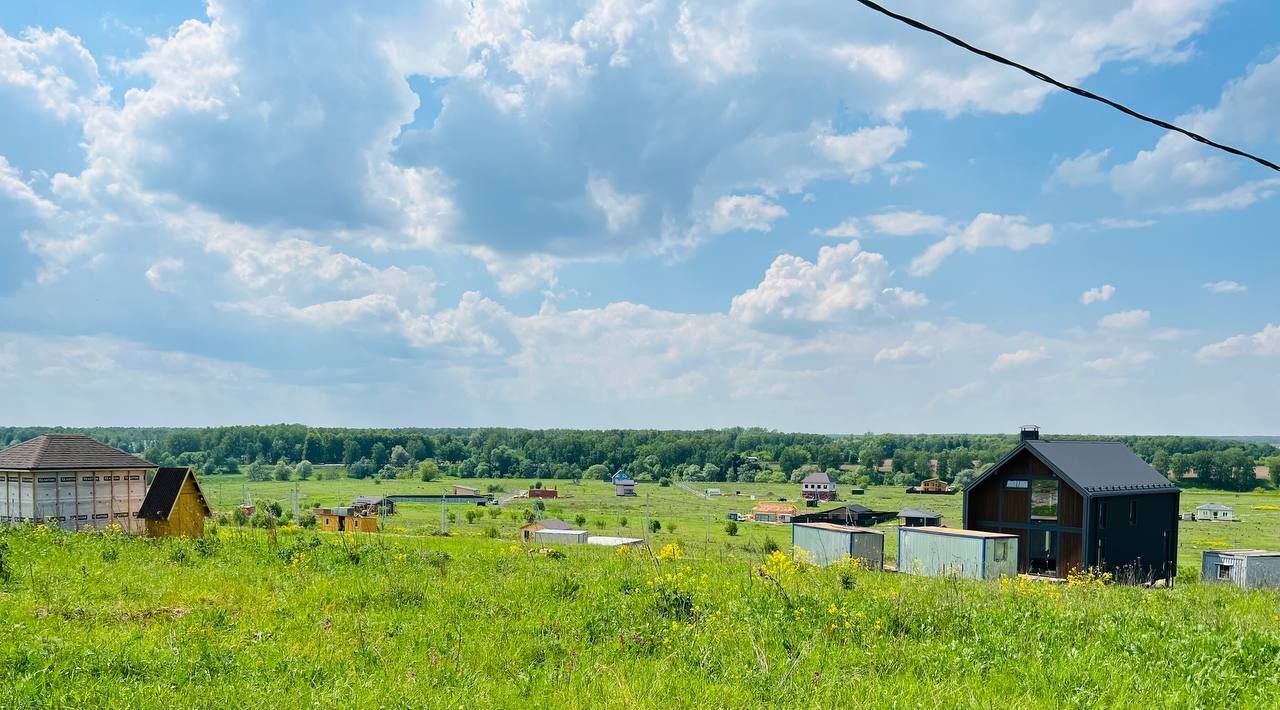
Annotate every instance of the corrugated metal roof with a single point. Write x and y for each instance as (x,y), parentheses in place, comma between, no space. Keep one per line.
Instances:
(817,477)
(774,508)
(838,528)
(67,452)
(917,513)
(958,532)
(1213,506)
(1101,467)
(548,524)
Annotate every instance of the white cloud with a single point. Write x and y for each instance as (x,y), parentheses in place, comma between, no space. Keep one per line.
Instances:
(1125,320)
(848,229)
(1122,363)
(744,212)
(860,151)
(986,230)
(842,282)
(905,224)
(905,352)
(1019,358)
(905,298)
(1265,342)
(1225,287)
(1083,170)
(1186,176)
(162,273)
(1098,294)
(620,210)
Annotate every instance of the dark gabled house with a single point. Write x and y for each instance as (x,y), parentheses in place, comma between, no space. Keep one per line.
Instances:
(851,514)
(916,518)
(1079,504)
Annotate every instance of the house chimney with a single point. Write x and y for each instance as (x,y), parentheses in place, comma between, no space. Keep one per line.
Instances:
(1030,432)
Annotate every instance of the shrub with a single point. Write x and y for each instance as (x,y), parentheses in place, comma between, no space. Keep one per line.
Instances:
(495,488)
(494,512)
(306,519)
(622,521)
(664,482)
(472,515)
(654,526)
(731,528)
(453,517)
(239,517)
(671,527)
(770,546)
(490,531)
(5,571)
(580,520)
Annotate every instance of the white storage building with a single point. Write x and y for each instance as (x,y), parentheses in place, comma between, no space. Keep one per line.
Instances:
(561,537)
(949,552)
(72,481)
(827,543)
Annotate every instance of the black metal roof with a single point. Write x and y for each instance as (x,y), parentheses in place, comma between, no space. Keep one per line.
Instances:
(164,491)
(67,452)
(917,513)
(1099,468)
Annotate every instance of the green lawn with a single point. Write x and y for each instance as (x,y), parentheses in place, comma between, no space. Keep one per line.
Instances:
(250,618)
(695,517)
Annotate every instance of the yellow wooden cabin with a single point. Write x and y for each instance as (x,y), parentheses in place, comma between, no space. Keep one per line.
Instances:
(174,505)
(345,520)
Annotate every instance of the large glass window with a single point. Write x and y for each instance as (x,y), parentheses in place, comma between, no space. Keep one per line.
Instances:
(1042,558)
(1044,501)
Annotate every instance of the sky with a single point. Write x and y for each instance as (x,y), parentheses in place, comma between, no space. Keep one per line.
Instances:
(616,213)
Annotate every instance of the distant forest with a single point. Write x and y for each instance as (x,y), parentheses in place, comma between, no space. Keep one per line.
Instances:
(725,455)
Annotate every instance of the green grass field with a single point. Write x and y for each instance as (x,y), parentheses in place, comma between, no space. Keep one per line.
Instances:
(251,618)
(697,519)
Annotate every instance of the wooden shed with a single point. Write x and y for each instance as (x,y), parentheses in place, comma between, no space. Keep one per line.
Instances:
(825,543)
(373,505)
(916,518)
(175,506)
(777,513)
(526,532)
(345,519)
(1079,504)
(854,514)
(72,482)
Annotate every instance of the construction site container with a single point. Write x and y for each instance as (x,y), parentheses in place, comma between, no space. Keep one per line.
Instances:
(949,552)
(827,543)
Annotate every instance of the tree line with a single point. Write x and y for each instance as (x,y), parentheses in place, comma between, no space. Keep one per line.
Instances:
(284,451)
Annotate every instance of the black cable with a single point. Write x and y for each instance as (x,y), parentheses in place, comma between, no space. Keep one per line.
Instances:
(1067,87)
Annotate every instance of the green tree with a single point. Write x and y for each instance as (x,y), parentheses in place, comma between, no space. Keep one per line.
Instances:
(379,455)
(304,469)
(1161,462)
(580,520)
(282,471)
(731,528)
(399,457)
(654,525)
(428,470)
(792,458)
(597,472)
(350,451)
(258,471)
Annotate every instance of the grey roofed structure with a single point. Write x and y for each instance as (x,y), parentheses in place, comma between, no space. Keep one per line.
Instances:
(917,513)
(1099,468)
(67,452)
(368,500)
(817,477)
(1215,506)
(553,524)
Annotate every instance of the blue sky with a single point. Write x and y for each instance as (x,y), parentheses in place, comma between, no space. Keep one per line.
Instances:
(631,213)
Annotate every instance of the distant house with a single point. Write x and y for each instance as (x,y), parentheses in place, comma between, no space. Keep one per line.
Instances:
(852,514)
(916,518)
(465,490)
(526,532)
(1079,505)
(934,486)
(775,513)
(1247,569)
(345,519)
(818,486)
(544,493)
(713,492)
(623,485)
(175,506)
(1215,511)
(825,543)
(373,505)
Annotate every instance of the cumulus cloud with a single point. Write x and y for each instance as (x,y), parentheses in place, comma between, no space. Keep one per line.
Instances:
(848,229)
(744,213)
(1083,170)
(843,282)
(1225,287)
(1019,358)
(906,224)
(1186,176)
(1125,320)
(1098,294)
(1122,363)
(985,231)
(905,352)
(1265,342)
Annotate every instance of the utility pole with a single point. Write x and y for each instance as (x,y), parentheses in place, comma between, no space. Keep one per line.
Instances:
(444,518)
(646,518)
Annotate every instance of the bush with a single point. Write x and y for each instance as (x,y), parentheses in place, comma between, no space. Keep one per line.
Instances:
(671,527)
(731,528)
(490,531)
(306,519)
(5,571)
(654,526)
(580,520)
(664,481)
(770,546)
(472,515)
(239,517)
(494,512)
(495,488)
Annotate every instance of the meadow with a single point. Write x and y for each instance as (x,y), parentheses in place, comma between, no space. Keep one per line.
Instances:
(699,523)
(288,618)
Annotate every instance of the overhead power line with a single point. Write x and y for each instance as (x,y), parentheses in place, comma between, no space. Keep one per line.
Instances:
(1067,87)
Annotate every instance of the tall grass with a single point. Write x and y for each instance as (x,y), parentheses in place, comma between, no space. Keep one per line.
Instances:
(286,618)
